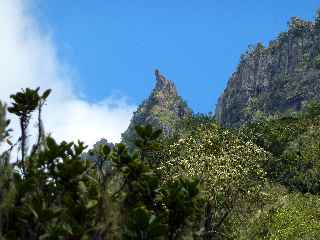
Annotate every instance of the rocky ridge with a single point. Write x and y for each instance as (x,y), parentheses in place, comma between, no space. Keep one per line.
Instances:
(276,79)
(162,109)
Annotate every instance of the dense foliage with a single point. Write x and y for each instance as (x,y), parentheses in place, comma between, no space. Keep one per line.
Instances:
(287,216)
(204,182)
(53,192)
(295,145)
(228,168)
(3,123)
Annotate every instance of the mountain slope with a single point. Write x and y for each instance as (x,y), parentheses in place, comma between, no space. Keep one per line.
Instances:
(276,79)
(162,109)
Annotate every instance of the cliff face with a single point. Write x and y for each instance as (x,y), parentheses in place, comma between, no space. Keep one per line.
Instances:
(162,109)
(276,79)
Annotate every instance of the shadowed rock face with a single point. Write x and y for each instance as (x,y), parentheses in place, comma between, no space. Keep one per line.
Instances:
(162,109)
(276,79)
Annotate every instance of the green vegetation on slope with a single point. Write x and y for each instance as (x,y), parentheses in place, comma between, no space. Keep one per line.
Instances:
(287,216)
(202,182)
(51,192)
(295,145)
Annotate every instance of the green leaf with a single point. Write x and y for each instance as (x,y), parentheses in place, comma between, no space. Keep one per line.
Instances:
(106,150)
(82,187)
(35,214)
(51,143)
(9,142)
(148,130)
(91,204)
(138,143)
(46,94)
(140,131)
(156,134)
(152,218)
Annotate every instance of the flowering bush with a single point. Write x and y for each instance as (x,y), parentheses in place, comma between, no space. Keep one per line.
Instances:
(228,168)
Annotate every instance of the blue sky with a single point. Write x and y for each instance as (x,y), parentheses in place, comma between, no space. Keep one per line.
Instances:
(115,45)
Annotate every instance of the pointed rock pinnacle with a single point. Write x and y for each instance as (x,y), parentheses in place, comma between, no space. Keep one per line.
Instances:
(162,83)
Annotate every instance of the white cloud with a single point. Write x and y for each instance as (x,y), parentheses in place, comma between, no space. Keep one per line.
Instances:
(28,59)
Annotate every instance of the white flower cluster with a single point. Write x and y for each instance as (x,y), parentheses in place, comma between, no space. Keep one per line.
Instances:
(227,167)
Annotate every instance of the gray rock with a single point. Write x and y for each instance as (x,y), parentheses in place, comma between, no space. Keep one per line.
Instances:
(276,79)
(162,109)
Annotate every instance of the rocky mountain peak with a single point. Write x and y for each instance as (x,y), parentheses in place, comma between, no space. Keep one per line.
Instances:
(162,109)
(162,84)
(274,80)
